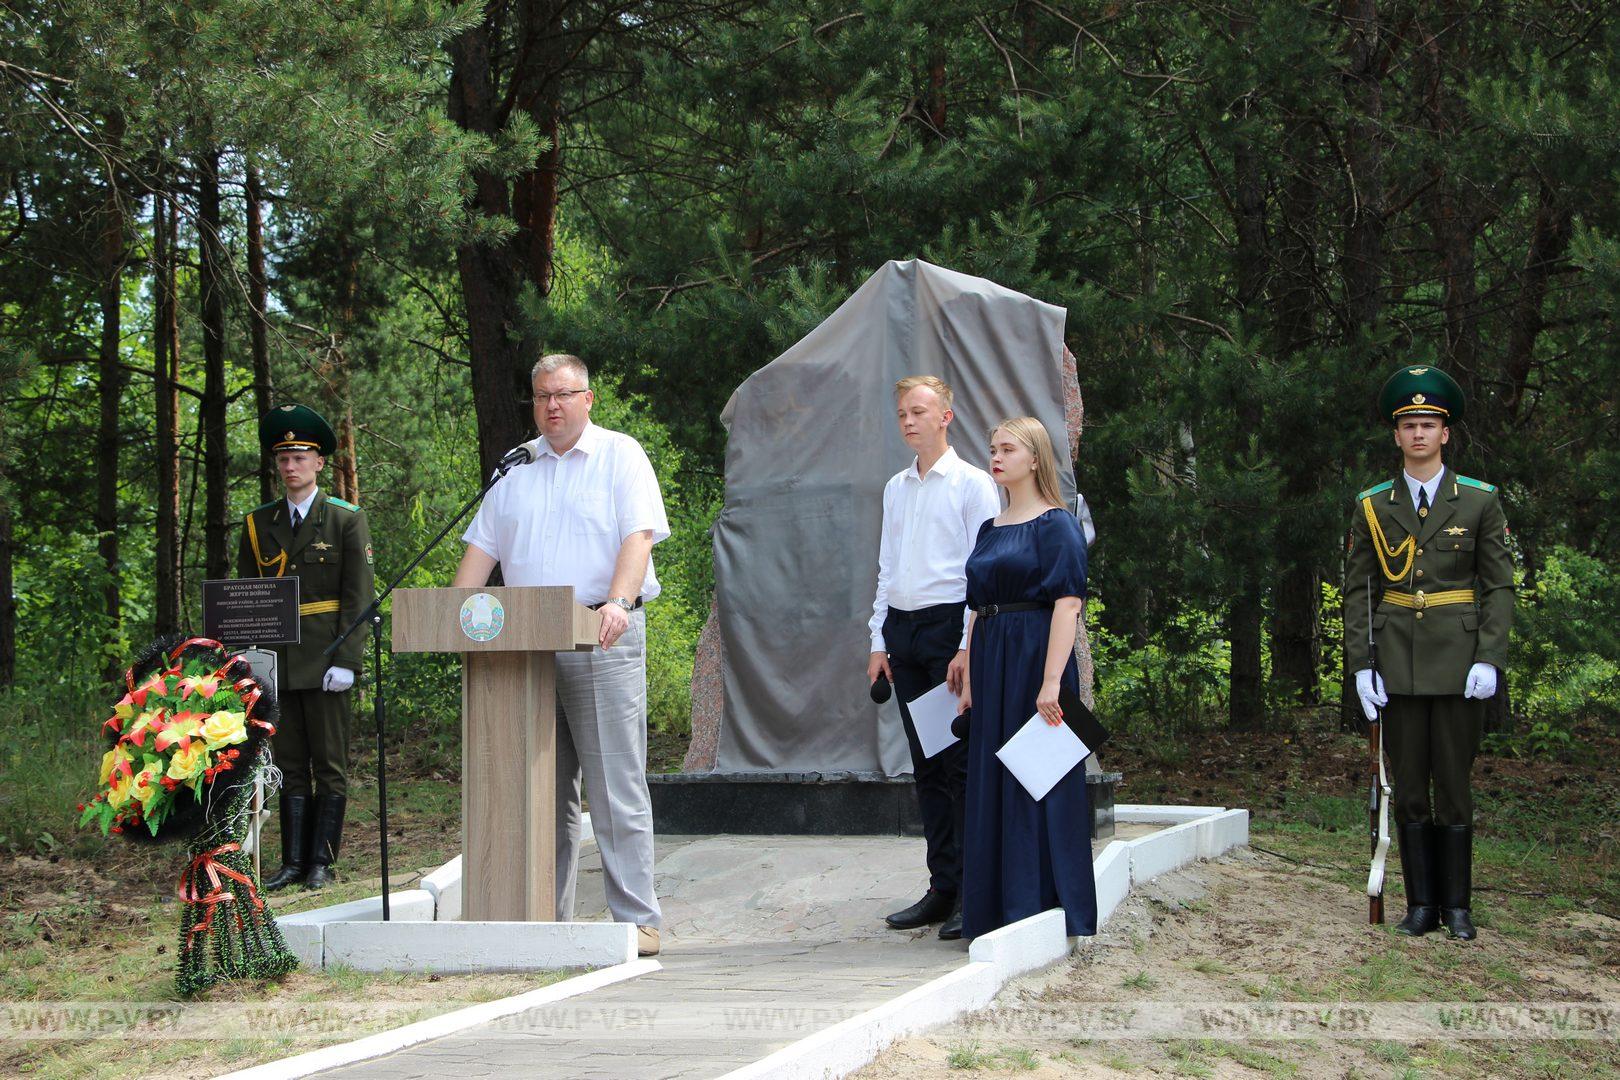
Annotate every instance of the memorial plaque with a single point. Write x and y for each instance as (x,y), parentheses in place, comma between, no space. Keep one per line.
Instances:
(251,611)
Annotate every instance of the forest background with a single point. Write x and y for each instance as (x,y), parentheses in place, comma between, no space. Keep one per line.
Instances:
(387,208)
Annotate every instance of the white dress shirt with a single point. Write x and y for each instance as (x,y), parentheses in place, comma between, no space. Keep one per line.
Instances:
(560,520)
(1431,485)
(302,508)
(930,524)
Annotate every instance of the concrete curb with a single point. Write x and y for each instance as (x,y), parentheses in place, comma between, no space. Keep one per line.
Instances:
(470,947)
(998,957)
(437,900)
(993,959)
(386,1042)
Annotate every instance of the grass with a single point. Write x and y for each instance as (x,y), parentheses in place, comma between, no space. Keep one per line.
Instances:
(969,1056)
(1020,1058)
(1140,981)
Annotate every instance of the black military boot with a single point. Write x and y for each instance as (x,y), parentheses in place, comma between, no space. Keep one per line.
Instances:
(296,824)
(328,839)
(1418,869)
(1457,879)
(932,908)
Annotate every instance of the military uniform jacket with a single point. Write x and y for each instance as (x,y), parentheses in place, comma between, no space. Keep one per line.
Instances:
(331,558)
(1426,648)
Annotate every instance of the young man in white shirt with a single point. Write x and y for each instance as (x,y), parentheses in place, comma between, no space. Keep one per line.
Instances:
(932,511)
(587,513)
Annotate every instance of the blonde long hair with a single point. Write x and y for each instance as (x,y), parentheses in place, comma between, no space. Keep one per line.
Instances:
(1033,436)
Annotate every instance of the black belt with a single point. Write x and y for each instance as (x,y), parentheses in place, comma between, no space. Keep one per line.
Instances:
(991,610)
(933,613)
(599,607)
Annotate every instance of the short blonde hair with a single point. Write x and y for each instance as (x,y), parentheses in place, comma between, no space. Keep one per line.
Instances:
(553,362)
(1033,436)
(932,382)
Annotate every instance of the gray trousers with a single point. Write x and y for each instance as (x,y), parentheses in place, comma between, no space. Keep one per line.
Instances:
(602,737)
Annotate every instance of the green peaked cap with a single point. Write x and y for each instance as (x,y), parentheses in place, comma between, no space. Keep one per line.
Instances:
(1421,390)
(296,427)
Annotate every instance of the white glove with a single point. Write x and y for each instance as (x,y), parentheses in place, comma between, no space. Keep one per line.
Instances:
(337,679)
(1481,682)
(1370,689)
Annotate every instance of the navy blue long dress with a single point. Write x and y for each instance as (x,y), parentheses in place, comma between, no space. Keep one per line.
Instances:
(1021,857)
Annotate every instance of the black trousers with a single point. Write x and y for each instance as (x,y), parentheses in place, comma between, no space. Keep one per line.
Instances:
(921,645)
(311,743)
(1433,739)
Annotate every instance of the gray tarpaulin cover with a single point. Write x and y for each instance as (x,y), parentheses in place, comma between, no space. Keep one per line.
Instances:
(813,439)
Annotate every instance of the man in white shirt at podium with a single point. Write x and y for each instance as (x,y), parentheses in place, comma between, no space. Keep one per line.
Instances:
(587,513)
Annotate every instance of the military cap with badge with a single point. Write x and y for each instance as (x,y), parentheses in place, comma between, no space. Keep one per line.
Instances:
(296,427)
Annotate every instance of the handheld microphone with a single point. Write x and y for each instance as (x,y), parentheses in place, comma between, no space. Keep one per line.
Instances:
(880,688)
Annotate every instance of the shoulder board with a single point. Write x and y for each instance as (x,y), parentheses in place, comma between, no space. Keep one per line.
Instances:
(1378,490)
(1469,481)
(335,501)
(264,506)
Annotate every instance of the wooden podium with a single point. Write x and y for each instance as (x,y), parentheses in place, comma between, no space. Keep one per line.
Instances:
(508,638)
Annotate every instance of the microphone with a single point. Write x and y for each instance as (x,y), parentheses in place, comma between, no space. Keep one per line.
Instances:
(520,455)
(880,689)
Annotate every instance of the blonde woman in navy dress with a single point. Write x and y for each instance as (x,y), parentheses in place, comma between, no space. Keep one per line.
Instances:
(1026,581)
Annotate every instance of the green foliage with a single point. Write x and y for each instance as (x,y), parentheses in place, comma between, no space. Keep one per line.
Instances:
(1565,663)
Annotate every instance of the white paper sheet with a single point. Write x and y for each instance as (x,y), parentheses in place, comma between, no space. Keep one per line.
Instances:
(931,715)
(1040,755)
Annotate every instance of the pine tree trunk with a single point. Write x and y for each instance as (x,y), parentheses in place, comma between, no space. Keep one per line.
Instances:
(110,390)
(216,451)
(1364,155)
(1246,612)
(1296,625)
(8,603)
(494,276)
(165,375)
(258,299)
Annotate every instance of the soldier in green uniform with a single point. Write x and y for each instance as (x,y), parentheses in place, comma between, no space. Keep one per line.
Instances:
(1428,562)
(325,543)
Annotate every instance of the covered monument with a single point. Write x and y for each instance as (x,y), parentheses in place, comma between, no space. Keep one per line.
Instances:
(779,691)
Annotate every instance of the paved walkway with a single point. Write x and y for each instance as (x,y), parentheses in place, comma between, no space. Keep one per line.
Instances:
(766,940)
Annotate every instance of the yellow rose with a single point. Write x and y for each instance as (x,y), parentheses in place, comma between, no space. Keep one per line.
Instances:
(118,792)
(189,762)
(111,760)
(225,728)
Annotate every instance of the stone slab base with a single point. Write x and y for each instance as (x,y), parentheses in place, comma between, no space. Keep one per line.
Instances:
(465,947)
(813,804)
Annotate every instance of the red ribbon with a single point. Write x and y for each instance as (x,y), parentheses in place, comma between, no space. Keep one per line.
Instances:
(207,863)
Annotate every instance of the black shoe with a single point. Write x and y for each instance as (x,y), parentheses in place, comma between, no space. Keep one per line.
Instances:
(1417,868)
(328,839)
(932,908)
(951,929)
(1457,880)
(296,825)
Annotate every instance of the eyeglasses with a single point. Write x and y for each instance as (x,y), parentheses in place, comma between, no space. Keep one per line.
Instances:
(562,397)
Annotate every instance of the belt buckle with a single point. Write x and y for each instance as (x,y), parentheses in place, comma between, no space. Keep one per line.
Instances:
(1420,601)
(990,610)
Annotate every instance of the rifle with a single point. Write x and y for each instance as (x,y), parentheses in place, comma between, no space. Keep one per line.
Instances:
(1378,794)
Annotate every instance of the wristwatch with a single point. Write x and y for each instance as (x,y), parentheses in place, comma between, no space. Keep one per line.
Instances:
(623,603)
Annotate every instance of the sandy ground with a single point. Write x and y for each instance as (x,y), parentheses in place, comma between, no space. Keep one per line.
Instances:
(1250,928)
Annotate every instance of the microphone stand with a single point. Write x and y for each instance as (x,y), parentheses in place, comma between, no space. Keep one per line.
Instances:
(373,615)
